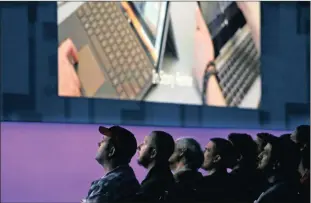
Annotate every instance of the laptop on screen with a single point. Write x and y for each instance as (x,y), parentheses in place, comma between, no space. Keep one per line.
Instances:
(121,45)
(231,75)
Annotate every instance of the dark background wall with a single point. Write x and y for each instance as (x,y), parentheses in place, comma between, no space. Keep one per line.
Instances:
(55,162)
(29,76)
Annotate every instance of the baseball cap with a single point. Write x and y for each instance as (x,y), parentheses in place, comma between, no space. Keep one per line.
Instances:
(123,139)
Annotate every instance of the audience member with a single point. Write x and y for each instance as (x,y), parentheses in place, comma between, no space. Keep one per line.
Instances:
(268,170)
(114,154)
(304,170)
(247,180)
(154,154)
(301,136)
(185,162)
(279,161)
(261,143)
(217,185)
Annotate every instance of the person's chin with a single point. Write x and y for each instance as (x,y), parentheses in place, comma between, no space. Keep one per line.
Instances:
(99,159)
(142,163)
(205,168)
(260,167)
(172,166)
(139,162)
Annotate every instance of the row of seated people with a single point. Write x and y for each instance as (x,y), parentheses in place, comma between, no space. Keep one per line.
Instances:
(268,169)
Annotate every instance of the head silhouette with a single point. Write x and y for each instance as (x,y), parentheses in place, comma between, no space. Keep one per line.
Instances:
(188,154)
(118,146)
(156,148)
(217,154)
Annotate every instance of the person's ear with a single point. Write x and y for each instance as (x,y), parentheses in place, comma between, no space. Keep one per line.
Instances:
(276,165)
(112,151)
(217,159)
(153,153)
(303,147)
(182,152)
(240,158)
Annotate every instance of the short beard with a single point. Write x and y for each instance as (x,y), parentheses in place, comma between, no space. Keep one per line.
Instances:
(143,163)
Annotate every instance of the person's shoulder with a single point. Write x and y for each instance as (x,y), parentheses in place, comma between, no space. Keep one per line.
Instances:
(280,192)
(121,178)
(103,182)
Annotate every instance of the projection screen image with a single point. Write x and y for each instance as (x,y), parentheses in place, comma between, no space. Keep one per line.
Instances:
(117,50)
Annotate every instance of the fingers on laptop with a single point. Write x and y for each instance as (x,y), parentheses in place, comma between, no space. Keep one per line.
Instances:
(69,49)
(69,83)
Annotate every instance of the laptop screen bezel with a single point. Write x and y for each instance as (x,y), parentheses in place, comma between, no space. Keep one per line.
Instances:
(160,39)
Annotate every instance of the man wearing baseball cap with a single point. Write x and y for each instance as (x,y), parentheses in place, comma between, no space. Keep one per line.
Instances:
(114,154)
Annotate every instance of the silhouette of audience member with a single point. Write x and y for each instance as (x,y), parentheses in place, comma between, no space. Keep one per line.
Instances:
(304,170)
(114,154)
(279,161)
(217,185)
(301,136)
(154,154)
(185,162)
(260,142)
(246,178)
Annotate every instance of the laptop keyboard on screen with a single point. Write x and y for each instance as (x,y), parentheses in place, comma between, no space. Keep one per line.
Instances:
(127,65)
(238,67)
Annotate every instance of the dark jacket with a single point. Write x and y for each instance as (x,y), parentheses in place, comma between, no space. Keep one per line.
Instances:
(157,184)
(305,187)
(188,185)
(281,191)
(247,184)
(217,188)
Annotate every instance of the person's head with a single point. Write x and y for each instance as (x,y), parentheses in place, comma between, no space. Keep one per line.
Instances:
(245,149)
(301,136)
(217,154)
(285,136)
(188,154)
(118,146)
(289,156)
(267,158)
(156,148)
(280,156)
(261,143)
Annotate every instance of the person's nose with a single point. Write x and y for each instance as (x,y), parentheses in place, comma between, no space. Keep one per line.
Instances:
(138,148)
(100,143)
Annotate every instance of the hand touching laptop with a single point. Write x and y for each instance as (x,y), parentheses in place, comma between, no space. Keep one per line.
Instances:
(68,82)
